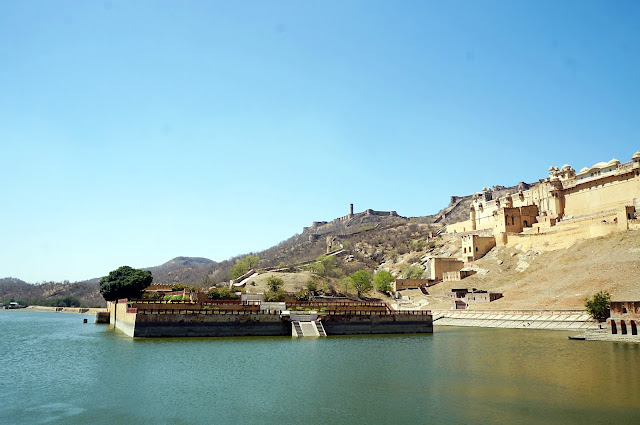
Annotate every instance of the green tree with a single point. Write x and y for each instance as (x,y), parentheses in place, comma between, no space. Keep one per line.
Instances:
(251,261)
(598,306)
(274,283)
(244,265)
(413,271)
(361,282)
(382,280)
(317,269)
(125,282)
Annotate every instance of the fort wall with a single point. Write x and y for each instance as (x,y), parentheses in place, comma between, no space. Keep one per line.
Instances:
(322,227)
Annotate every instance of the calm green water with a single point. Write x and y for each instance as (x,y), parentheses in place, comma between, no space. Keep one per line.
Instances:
(55,369)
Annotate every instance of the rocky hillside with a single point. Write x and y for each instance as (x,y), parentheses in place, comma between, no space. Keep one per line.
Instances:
(558,279)
(15,289)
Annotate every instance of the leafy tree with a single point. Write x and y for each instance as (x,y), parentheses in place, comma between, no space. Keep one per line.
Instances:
(382,280)
(598,306)
(244,265)
(251,261)
(361,282)
(275,283)
(413,271)
(124,282)
(317,269)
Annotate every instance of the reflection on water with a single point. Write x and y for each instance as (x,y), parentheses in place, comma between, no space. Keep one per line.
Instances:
(59,370)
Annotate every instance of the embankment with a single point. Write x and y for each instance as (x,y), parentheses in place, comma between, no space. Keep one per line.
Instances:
(73,310)
(517,319)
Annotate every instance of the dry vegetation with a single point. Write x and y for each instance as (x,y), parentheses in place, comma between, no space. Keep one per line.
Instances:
(560,279)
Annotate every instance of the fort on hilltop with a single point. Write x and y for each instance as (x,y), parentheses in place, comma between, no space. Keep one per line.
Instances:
(556,212)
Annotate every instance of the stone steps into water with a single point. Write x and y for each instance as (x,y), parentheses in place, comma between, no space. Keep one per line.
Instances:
(304,329)
(522,320)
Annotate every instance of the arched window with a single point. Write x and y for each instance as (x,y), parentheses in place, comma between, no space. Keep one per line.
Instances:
(634,328)
(623,327)
(614,329)
(526,224)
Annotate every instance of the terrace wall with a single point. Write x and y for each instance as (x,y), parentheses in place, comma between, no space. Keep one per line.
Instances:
(185,320)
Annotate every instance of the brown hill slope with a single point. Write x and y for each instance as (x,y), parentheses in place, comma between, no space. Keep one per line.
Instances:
(558,279)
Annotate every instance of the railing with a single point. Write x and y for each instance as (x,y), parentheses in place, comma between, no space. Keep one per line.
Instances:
(160,311)
(624,167)
(220,302)
(336,303)
(502,312)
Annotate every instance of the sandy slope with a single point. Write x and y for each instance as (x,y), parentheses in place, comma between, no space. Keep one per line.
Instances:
(558,279)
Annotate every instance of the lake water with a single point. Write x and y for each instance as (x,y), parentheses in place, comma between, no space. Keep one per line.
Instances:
(56,369)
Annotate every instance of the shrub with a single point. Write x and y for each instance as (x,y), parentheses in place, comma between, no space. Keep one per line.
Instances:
(274,283)
(311,286)
(413,272)
(273,296)
(301,295)
(218,293)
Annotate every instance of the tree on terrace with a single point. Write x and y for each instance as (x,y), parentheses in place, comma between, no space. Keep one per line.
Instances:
(361,282)
(124,282)
(382,280)
(598,306)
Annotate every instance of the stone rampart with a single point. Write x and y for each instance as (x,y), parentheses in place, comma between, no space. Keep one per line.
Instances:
(151,321)
(322,227)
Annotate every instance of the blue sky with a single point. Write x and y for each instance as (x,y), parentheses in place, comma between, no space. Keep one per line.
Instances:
(134,132)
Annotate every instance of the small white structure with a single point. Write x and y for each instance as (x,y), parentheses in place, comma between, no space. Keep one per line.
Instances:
(305,323)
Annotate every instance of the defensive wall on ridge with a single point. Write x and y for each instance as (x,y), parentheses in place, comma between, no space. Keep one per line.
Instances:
(323,227)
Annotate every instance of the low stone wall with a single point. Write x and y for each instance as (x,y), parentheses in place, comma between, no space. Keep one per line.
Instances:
(362,325)
(401,284)
(189,325)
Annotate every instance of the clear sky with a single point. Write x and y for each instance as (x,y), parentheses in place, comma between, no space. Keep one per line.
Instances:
(132,132)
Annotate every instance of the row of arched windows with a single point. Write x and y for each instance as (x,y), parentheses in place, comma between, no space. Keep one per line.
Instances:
(623,327)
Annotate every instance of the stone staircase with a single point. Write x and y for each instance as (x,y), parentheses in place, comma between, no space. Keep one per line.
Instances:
(304,329)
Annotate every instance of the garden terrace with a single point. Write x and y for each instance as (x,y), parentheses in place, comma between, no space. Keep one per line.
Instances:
(347,306)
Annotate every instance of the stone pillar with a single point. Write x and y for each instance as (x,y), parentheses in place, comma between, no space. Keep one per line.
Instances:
(350,210)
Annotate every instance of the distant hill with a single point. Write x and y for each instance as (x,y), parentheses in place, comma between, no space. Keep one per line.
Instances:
(19,290)
(389,233)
